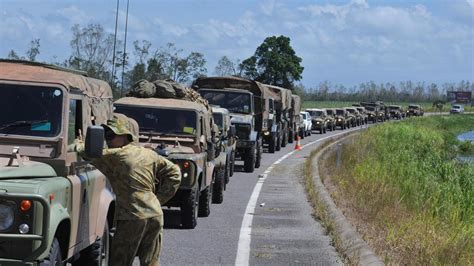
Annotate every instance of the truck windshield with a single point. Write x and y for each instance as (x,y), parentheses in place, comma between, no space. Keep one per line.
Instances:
(413,107)
(370,108)
(315,113)
(30,110)
(218,120)
(339,112)
(161,121)
(235,102)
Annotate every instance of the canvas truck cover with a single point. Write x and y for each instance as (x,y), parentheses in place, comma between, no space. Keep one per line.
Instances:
(295,105)
(98,94)
(280,94)
(257,88)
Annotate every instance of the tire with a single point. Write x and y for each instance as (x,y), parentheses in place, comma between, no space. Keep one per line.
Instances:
(321,131)
(310,132)
(96,254)
(249,161)
(290,137)
(324,130)
(219,185)
(226,174)
(272,146)
(278,144)
(284,141)
(189,208)
(258,158)
(54,257)
(232,163)
(205,199)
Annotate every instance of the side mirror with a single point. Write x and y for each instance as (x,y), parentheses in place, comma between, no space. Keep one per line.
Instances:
(232,131)
(94,141)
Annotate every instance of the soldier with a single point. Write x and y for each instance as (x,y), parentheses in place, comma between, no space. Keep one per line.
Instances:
(132,171)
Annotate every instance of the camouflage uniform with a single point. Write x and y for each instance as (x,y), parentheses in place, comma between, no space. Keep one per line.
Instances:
(131,171)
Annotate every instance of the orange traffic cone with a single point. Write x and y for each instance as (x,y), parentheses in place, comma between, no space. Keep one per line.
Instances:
(298,144)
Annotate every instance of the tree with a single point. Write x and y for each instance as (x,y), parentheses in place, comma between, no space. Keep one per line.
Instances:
(274,62)
(225,67)
(92,51)
(33,51)
(13,55)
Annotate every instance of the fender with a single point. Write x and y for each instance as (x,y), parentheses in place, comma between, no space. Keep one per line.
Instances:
(57,214)
(107,198)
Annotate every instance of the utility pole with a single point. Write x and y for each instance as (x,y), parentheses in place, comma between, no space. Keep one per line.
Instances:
(124,49)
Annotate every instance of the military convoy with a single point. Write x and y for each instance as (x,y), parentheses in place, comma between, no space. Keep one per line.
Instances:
(54,206)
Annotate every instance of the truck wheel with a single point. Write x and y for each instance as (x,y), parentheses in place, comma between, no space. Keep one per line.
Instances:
(249,161)
(218,189)
(258,159)
(96,254)
(189,208)
(54,257)
(226,173)
(271,147)
(205,198)
(290,137)
(278,144)
(232,163)
(285,140)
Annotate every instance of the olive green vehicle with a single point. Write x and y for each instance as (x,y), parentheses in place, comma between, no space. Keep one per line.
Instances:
(248,105)
(414,110)
(357,117)
(226,144)
(396,111)
(363,114)
(54,206)
(342,119)
(182,131)
(319,121)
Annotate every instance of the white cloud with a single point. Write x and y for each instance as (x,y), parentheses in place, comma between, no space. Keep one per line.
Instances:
(170,29)
(267,6)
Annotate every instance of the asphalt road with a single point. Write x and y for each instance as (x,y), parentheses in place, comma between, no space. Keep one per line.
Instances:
(280,229)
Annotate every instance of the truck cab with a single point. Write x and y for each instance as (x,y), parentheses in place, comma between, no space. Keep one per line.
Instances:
(55,207)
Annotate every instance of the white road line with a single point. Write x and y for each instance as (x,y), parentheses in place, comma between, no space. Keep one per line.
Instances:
(243,249)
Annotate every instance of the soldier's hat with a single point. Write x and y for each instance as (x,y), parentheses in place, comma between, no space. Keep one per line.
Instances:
(120,125)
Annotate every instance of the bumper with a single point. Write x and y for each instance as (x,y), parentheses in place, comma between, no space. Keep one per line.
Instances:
(243,144)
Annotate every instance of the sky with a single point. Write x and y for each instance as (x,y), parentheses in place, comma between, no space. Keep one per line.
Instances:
(342,42)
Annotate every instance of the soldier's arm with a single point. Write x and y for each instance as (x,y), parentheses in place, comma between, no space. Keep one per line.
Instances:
(169,176)
(102,163)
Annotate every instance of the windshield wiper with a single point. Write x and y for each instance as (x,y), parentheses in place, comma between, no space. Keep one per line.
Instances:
(22,123)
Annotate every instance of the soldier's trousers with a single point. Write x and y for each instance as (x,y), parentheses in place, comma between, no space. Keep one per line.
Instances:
(141,237)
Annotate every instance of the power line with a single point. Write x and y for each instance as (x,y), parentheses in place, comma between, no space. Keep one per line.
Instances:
(115,42)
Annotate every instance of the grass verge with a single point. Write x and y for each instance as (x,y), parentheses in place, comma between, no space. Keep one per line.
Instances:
(413,200)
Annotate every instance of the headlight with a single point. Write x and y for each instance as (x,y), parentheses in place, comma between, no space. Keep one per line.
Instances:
(317,122)
(6,217)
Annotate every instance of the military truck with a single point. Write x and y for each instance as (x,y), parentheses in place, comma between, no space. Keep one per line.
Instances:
(342,119)
(415,110)
(357,118)
(363,113)
(181,130)
(226,144)
(54,206)
(294,118)
(248,106)
(319,120)
(282,104)
(396,111)
(374,111)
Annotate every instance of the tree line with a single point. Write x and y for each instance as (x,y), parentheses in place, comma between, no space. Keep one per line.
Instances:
(274,62)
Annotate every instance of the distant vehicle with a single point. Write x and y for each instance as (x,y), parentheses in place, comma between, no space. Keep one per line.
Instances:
(318,120)
(457,109)
(307,123)
(396,111)
(415,110)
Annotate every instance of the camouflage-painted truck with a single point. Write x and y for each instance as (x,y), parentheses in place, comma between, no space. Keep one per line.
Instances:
(248,106)
(54,206)
(225,161)
(182,131)
(283,100)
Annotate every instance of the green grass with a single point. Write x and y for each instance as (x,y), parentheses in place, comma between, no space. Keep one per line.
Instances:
(427,106)
(404,178)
